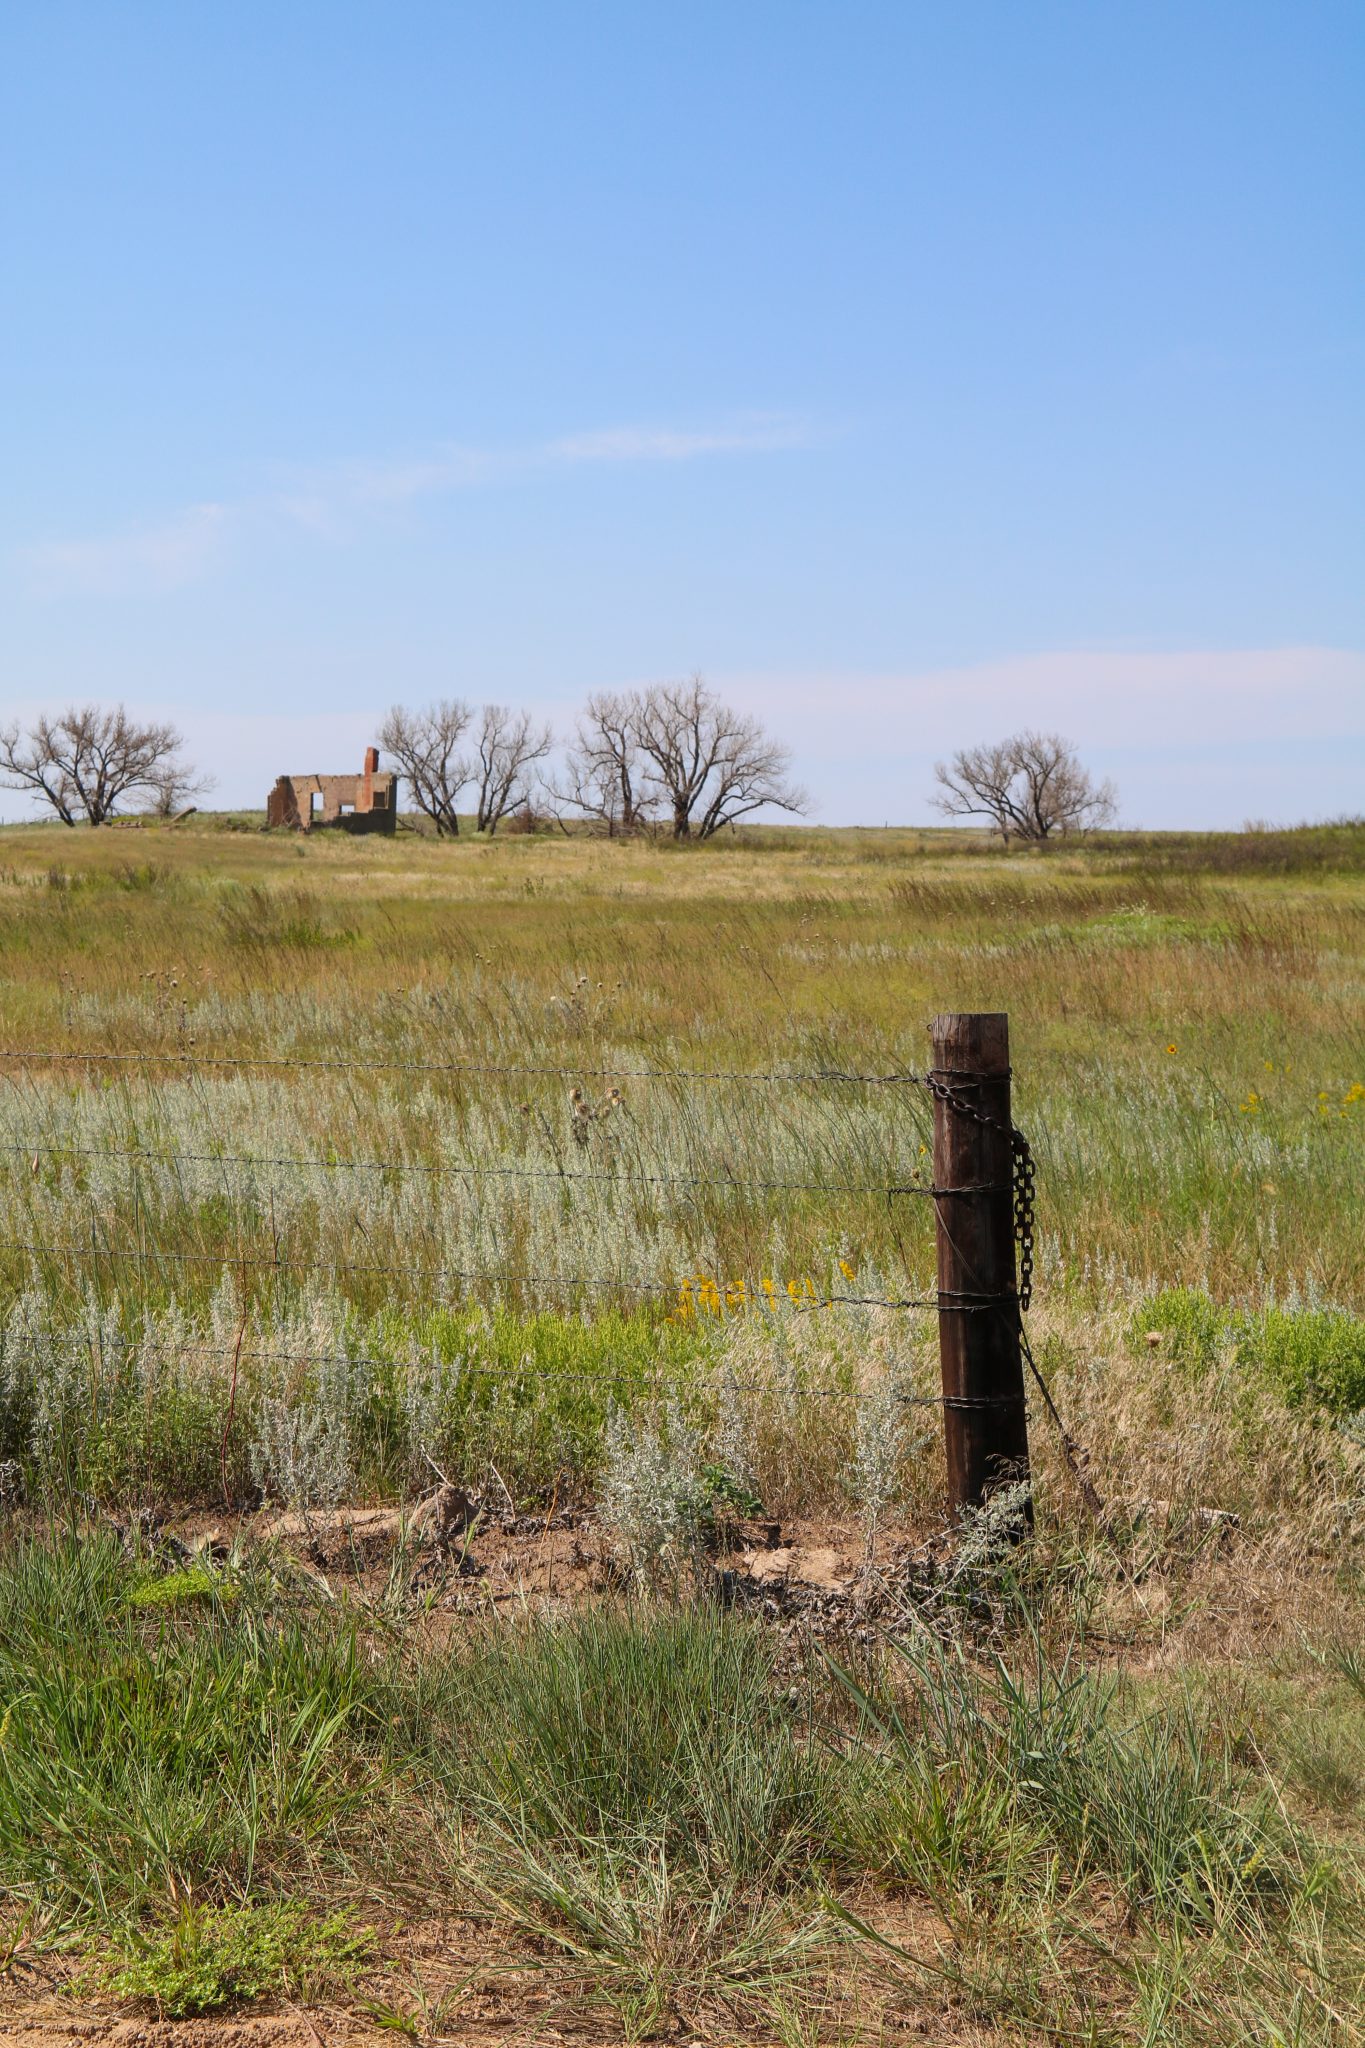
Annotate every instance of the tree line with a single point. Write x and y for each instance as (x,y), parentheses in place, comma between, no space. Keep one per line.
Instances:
(672,759)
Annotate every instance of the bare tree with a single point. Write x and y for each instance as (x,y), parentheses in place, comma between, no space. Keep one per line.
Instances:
(1029,786)
(171,788)
(507,747)
(425,745)
(85,762)
(708,764)
(604,765)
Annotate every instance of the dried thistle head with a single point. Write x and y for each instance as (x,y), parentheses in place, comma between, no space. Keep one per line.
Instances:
(581,1113)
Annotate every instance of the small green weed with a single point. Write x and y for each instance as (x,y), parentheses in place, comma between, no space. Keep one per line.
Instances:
(181,1589)
(212,1956)
(728,1494)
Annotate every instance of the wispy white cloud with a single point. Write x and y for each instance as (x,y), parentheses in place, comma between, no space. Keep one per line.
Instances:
(326,499)
(331,501)
(765,436)
(146,559)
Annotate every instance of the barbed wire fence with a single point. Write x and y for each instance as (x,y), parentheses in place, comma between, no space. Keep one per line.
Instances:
(982,1188)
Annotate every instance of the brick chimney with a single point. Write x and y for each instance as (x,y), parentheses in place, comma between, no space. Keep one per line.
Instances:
(367,787)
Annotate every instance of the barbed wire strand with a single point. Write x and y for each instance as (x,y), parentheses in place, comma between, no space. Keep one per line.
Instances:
(479,1069)
(475,1169)
(131,1347)
(589,1283)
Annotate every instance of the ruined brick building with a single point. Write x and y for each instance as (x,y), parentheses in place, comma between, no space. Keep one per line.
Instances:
(367,802)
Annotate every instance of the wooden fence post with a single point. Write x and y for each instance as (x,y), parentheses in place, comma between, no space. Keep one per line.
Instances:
(984,1427)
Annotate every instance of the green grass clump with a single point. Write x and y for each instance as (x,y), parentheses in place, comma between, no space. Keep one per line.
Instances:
(662,1729)
(167,1751)
(1014,1774)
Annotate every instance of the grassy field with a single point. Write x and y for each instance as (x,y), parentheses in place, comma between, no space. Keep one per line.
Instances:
(297,1205)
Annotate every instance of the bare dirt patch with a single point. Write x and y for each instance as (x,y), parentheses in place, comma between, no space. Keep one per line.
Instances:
(1208,1597)
(808,1567)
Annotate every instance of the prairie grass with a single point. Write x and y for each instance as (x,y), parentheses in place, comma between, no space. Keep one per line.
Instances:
(1230,1162)
(1108,1788)
(1189,1066)
(685,1831)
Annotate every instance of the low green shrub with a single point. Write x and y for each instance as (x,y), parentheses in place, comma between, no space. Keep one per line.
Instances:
(1192,1327)
(1313,1356)
(211,1956)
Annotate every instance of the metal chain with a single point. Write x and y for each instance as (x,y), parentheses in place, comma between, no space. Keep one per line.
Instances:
(1023,1173)
(1025,1176)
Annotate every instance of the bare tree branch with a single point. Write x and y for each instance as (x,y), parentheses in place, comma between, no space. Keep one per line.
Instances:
(709,765)
(171,787)
(424,745)
(507,747)
(87,760)
(1029,787)
(603,766)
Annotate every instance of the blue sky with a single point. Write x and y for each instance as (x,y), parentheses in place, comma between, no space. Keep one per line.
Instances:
(914,371)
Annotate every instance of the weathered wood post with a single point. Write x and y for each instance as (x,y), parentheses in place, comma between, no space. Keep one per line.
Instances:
(984,1427)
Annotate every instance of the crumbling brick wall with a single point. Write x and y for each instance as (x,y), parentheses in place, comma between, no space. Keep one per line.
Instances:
(367,802)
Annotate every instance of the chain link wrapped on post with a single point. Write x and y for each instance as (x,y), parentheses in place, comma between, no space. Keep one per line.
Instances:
(1023,1174)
